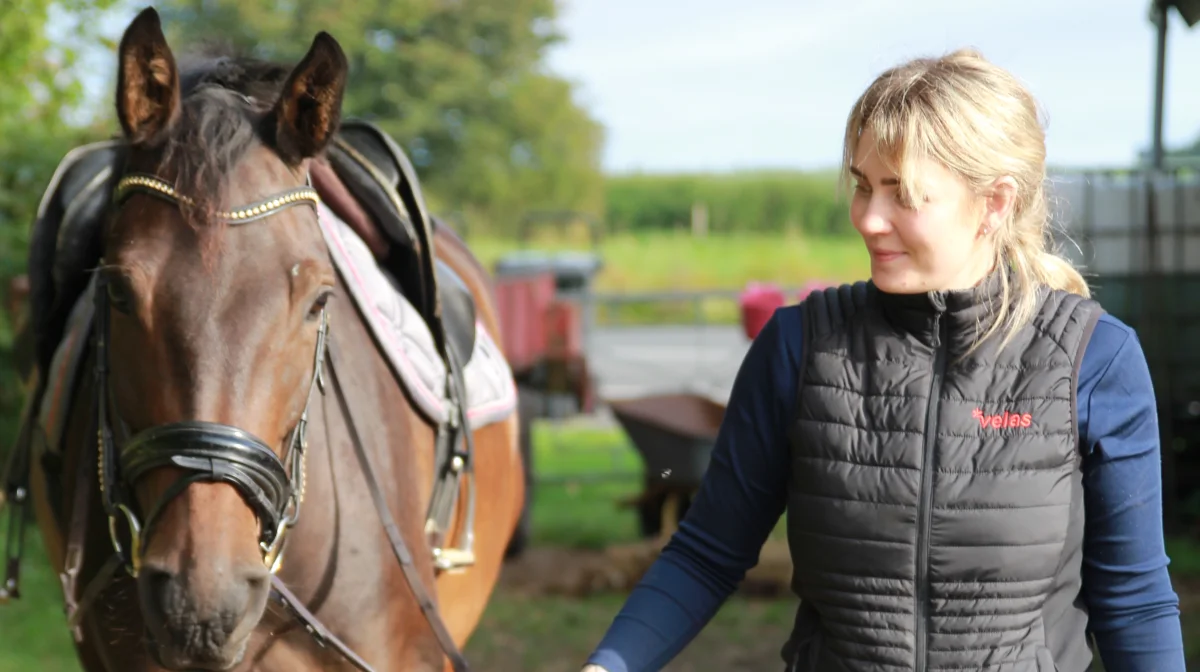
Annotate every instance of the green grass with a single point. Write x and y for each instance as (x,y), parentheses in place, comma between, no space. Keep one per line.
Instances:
(33,630)
(666,261)
(572,508)
(678,261)
(544,634)
(584,471)
(1185,556)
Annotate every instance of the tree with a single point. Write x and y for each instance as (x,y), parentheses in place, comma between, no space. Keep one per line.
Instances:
(41,118)
(460,84)
(38,96)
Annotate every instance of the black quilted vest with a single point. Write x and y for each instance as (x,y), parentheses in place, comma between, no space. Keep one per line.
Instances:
(935,516)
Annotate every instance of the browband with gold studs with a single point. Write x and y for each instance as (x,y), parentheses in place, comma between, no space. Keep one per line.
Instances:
(155,187)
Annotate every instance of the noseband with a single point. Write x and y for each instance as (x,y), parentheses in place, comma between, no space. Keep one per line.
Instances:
(205,451)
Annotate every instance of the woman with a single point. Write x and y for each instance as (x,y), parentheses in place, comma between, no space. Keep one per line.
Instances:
(966,446)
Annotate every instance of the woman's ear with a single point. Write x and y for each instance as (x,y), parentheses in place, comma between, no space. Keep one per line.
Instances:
(998,205)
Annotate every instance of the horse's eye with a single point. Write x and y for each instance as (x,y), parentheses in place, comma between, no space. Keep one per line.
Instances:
(120,294)
(318,305)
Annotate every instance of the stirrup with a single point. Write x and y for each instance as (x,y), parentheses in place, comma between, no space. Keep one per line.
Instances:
(456,560)
(453,560)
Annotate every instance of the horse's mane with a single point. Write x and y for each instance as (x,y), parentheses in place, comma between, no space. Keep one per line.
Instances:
(225,97)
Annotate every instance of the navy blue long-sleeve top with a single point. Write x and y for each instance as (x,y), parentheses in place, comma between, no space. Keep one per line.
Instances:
(1133,609)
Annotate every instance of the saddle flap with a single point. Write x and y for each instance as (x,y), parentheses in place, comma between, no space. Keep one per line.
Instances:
(65,239)
(458,313)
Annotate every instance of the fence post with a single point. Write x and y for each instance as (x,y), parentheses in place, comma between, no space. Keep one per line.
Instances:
(699,220)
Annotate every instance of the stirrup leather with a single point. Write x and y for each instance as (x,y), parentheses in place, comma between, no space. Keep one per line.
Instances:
(455,450)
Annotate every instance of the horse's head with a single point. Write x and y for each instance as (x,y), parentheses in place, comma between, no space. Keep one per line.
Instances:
(212,292)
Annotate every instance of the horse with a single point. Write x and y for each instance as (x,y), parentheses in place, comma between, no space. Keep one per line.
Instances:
(245,483)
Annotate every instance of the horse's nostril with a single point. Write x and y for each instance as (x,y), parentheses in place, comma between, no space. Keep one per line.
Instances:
(158,586)
(157,577)
(257,582)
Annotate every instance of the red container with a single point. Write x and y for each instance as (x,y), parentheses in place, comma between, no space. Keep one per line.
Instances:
(564,331)
(522,302)
(758,303)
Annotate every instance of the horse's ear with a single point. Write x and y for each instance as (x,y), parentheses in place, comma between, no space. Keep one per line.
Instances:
(147,81)
(310,105)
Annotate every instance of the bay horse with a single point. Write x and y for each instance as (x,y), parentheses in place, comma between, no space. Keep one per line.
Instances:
(234,386)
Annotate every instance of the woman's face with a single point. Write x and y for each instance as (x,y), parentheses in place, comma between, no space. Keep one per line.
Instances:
(943,244)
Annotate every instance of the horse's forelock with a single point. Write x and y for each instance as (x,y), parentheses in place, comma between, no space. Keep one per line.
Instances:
(224,100)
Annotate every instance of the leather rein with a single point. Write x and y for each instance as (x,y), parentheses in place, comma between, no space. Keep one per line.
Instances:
(214,452)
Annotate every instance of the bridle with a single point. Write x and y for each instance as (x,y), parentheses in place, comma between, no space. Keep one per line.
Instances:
(205,451)
(215,452)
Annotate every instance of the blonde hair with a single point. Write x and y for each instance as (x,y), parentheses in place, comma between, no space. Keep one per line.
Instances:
(976,119)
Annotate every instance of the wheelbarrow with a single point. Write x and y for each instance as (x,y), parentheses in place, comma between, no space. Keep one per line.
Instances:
(675,435)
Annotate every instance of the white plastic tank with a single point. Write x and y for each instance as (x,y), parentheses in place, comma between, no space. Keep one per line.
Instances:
(1101,221)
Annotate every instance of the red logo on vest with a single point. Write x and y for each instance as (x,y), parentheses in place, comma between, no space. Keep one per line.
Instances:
(1002,420)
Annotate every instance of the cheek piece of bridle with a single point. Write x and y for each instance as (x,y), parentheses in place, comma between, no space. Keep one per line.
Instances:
(215,452)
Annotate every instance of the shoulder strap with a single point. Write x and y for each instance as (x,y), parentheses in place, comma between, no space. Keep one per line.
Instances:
(824,311)
(1078,318)
(831,308)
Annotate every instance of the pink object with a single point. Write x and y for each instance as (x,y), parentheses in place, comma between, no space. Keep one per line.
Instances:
(758,303)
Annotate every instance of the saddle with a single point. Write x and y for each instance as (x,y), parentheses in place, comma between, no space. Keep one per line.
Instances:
(65,241)
(377,173)
(369,182)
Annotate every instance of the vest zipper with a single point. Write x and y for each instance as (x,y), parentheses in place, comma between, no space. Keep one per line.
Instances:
(926,508)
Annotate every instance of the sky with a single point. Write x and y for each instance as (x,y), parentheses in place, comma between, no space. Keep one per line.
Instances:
(716,85)
(713,85)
